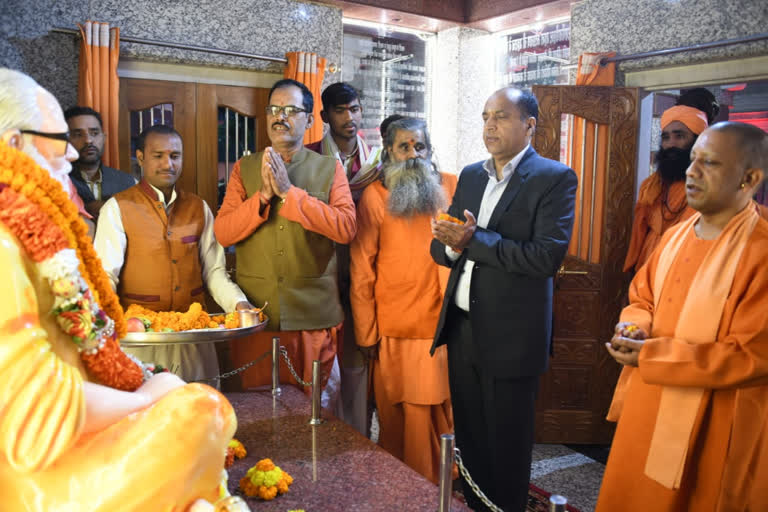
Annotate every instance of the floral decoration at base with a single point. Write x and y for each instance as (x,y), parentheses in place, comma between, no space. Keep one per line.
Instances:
(265,480)
(235,449)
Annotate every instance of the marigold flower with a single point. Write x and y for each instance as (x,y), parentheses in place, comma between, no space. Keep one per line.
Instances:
(265,480)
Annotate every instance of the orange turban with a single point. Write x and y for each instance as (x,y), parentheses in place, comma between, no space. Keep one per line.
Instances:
(693,118)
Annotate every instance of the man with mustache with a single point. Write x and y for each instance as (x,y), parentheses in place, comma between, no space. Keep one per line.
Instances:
(95,182)
(396,294)
(157,246)
(692,399)
(661,201)
(284,211)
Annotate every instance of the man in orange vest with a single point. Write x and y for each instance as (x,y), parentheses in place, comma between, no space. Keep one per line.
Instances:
(157,246)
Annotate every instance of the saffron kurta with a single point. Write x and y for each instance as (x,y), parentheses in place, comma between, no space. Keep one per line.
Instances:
(396,295)
(656,211)
(726,469)
(237,219)
(161,458)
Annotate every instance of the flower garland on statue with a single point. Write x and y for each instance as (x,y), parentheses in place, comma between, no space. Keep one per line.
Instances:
(38,211)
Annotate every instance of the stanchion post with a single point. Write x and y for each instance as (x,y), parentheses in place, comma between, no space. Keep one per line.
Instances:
(447,444)
(276,366)
(557,503)
(316,419)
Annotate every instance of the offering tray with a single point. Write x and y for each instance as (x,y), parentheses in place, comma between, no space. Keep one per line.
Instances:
(146,339)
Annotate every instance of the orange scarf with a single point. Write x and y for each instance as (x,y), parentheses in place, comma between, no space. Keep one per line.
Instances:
(699,322)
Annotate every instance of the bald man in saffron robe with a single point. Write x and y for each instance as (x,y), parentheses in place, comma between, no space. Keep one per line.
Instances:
(396,293)
(692,400)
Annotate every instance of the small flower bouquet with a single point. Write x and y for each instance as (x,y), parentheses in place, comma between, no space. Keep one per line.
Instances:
(265,480)
(235,449)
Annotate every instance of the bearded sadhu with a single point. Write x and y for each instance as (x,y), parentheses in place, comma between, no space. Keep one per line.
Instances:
(661,202)
(396,294)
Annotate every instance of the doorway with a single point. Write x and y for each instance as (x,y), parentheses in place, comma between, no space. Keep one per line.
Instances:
(218,125)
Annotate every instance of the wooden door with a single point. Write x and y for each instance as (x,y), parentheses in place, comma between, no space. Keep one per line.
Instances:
(212,141)
(224,115)
(147,102)
(576,391)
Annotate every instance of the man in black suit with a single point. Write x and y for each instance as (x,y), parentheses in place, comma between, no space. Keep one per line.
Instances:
(94,181)
(497,312)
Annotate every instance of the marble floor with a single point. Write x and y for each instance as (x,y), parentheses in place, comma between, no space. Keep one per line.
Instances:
(573,471)
(559,469)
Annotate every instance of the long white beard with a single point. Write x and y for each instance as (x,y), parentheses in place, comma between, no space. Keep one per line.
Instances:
(414,188)
(62,175)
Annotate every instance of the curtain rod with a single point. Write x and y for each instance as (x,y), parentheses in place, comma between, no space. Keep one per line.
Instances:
(694,47)
(154,42)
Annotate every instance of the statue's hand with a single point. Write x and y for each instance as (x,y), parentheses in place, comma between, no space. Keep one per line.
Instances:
(160,385)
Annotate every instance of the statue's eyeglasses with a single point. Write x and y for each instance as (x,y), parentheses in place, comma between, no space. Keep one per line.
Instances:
(62,137)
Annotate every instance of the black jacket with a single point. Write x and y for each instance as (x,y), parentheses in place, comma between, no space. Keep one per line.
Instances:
(516,258)
(112,182)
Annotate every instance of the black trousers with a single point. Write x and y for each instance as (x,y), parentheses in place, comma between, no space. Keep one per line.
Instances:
(494,422)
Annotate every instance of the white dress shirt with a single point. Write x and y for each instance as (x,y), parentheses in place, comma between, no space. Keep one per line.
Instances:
(110,243)
(190,362)
(493,191)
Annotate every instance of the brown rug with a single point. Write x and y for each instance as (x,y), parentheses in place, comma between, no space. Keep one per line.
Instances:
(538,500)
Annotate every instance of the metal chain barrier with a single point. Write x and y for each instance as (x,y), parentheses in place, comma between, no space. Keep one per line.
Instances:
(284,353)
(465,473)
(239,370)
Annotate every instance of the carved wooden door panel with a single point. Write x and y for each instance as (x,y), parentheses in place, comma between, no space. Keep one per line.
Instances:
(231,122)
(576,391)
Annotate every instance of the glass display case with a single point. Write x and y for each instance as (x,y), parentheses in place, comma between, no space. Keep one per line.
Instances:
(391,71)
(536,55)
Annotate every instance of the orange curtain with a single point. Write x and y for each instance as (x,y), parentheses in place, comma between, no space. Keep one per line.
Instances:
(589,158)
(98,86)
(308,69)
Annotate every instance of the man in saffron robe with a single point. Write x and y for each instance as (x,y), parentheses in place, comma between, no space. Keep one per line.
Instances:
(67,442)
(661,201)
(692,400)
(284,210)
(396,294)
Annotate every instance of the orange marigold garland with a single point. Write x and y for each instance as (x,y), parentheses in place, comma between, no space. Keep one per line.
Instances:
(38,211)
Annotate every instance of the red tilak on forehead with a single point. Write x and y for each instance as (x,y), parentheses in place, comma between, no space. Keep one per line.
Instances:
(413,142)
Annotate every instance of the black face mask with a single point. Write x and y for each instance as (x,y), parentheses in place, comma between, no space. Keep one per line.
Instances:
(671,163)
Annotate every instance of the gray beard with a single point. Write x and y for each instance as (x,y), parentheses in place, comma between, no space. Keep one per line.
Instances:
(414,188)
